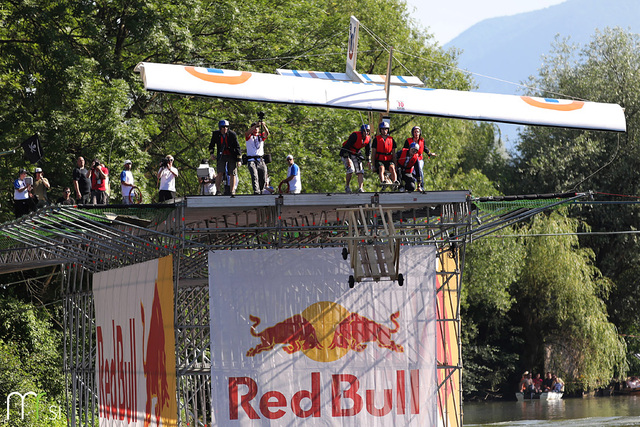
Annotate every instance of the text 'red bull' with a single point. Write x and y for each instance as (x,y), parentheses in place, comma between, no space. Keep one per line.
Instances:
(117,380)
(347,400)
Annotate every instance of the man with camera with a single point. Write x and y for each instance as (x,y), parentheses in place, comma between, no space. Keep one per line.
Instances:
(98,175)
(229,155)
(167,178)
(353,158)
(40,187)
(256,161)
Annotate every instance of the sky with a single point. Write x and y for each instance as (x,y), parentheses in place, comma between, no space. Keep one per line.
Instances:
(446,19)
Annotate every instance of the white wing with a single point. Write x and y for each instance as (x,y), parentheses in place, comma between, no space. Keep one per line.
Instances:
(286,89)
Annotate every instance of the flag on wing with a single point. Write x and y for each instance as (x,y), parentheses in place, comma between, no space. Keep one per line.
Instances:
(32,148)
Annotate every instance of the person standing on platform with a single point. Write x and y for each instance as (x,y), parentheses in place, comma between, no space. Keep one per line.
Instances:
(82,183)
(40,187)
(21,190)
(255,138)
(126,182)
(293,177)
(352,158)
(167,177)
(66,198)
(228,157)
(416,136)
(98,175)
(382,153)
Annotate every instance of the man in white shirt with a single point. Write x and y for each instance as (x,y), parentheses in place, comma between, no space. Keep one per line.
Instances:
(293,177)
(167,177)
(126,182)
(255,138)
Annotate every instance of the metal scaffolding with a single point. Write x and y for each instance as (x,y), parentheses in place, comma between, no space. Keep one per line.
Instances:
(87,240)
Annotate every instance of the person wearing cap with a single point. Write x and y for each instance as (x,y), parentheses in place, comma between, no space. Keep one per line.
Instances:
(293,177)
(352,158)
(66,198)
(225,141)
(126,182)
(40,187)
(98,175)
(406,161)
(255,137)
(82,182)
(21,194)
(416,136)
(382,154)
(167,179)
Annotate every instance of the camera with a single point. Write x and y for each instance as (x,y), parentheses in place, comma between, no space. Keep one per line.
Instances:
(260,115)
(95,164)
(164,162)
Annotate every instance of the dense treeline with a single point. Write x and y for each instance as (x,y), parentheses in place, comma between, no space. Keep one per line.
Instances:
(66,73)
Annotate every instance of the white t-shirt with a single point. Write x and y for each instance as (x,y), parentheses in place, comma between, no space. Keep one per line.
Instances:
(168,179)
(20,195)
(255,145)
(295,185)
(126,176)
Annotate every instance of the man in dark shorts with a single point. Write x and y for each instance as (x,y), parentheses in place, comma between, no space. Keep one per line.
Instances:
(384,146)
(82,183)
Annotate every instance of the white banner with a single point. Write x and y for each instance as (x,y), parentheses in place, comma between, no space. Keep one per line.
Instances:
(291,343)
(135,360)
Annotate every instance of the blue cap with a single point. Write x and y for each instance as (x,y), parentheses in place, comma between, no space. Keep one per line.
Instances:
(223,123)
(414,146)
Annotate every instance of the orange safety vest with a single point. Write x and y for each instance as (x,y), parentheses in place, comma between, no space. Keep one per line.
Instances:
(406,165)
(420,143)
(384,148)
(360,142)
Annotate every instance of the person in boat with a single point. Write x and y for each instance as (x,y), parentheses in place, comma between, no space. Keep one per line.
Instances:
(352,158)
(416,137)
(558,384)
(547,383)
(382,154)
(537,383)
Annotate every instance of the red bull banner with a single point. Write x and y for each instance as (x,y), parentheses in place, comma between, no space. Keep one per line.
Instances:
(135,360)
(291,343)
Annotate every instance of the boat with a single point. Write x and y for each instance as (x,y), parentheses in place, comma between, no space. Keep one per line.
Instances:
(547,395)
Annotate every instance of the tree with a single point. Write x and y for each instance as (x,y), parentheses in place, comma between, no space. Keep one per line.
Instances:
(557,160)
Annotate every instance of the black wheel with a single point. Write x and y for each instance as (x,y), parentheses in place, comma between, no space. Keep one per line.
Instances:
(352,281)
(345,253)
(400,280)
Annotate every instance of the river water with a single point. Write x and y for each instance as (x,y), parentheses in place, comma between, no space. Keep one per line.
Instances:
(618,411)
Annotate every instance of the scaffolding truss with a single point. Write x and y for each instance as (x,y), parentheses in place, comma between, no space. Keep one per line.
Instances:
(87,240)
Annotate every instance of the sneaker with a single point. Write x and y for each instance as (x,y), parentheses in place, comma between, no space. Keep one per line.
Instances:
(360,190)
(347,189)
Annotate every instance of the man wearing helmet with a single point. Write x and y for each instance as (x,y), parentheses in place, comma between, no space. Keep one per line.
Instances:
(352,158)
(229,155)
(382,153)
(416,137)
(406,161)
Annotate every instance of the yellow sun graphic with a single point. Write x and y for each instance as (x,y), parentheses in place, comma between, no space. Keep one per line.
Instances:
(325,316)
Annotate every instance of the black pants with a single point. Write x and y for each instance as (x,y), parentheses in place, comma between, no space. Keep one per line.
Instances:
(166,195)
(21,207)
(258,172)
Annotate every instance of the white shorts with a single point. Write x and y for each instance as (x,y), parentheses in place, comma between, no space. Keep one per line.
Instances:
(354,166)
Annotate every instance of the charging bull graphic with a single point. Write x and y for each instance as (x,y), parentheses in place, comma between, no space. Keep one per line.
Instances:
(355,331)
(296,333)
(154,362)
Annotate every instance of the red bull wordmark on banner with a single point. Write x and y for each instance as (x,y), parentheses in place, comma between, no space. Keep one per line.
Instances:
(347,398)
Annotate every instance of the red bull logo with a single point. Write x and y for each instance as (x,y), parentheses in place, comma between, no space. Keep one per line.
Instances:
(347,398)
(325,332)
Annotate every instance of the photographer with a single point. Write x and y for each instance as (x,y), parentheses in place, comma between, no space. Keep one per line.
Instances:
(98,175)
(167,179)
(229,155)
(255,138)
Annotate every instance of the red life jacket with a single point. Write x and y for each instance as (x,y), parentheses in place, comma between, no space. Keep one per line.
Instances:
(384,148)
(402,159)
(360,142)
(420,143)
